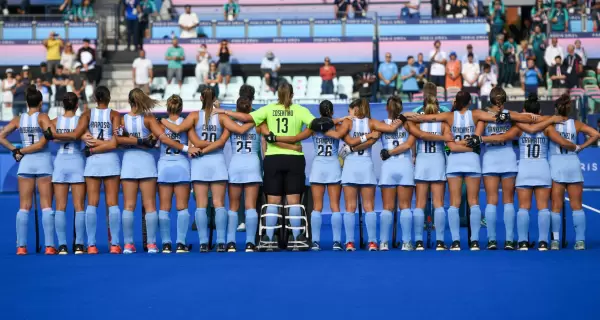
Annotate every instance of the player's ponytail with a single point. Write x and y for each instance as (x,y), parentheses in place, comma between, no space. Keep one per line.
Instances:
(363,109)
(244,105)
(394,106)
(563,105)
(431,105)
(208,99)
(174,105)
(33,97)
(532,105)
(285,92)
(498,96)
(326,109)
(70,101)
(140,102)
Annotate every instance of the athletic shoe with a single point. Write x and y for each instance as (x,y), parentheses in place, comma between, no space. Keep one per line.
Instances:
(62,250)
(543,246)
(231,247)
(455,246)
(315,246)
(167,248)
(129,249)
(92,249)
(221,247)
(79,249)
(523,246)
(474,245)
(373,246)
(50,251)
(419,246)
(407,246)
(580,245)
(152,248)
(554,245)
(250,247)
(241,227)
(440,246)
(384,246)
(181,248)
(509,245)
(337,246)
(203,248)
(115,249)
(21,251)
(492,245)
(350,246)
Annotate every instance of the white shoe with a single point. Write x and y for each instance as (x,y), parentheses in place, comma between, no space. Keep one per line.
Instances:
(554,245)
(384,246)
(407,246)
(241,227)
(580,245)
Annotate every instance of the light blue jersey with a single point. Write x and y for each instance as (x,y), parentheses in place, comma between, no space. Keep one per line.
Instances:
(246,143)
(33,164)
(102,164)
(565,166)
(533,170)
(69,164)
(210,167)
(210,130)
(245,165)
(360,127)
(463,126)
(326,167)
(463,163)
(392,140)
(431,160)
(358,166)
(424,146)
(398,170)
(66,125)
(325,146)
(568,131)
(533,146)
(29,129)
(138,163)
(100,124)
(168,153)
(499,158)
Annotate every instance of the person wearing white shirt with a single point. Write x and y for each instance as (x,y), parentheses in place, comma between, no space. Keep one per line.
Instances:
(486,82)
(465,58)
(411,9)
(202,63)
(188,23)
(269,67)
(470,72)
(580,51)
(552,52)
(438,60)
(142,72)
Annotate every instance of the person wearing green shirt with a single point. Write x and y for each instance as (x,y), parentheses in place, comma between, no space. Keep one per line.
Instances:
(175,57)
(559,17)
(85,13)
(538,43)
(497,16)
(231,10)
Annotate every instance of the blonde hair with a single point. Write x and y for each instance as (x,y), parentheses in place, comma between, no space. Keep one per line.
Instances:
(431,105)
(174,105)
(285,92)
(208,99)
(363,109)
(140,102)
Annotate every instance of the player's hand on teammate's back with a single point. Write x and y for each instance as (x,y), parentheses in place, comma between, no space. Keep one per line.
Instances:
(271,138)
(194,152)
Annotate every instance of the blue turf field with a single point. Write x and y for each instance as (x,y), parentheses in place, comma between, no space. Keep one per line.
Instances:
(303,285)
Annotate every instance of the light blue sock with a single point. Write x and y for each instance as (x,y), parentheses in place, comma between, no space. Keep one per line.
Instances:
(48,225)
(60,223)
(80,227)
(221,224)
(202,225)
(295,212)
(271,221)
(406,225)
(315,224)
(418,223)
(251,225)
(183,223)
(127,220)
(555,222)
(114,219)
(439,217)
(523,224)
(349,222)
(371,221)
(475,222)
(509,221)
(336,226)
(151,226)
(490,219)
(543,224)
(579,223)
(164,224)
(90,224)
(22,222)
(232,223)
(454,223)
(385,223)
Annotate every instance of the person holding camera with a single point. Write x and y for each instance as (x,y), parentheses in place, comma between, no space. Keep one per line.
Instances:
(53,46)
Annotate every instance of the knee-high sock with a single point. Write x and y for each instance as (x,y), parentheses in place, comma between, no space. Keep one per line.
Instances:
(151,226)
(454,223)
(349,222)
(336,226)
(418,223)
(371,221)
(385,223)
(114,219)
(271,221)
(221,224)
(406,225)
(580,224)
(48,224)
(523,224)
(439,217)
(232,223)
(509,221)
(475,222)
(315,224)
(202,224)
(60,224)
(251,225)
(555,223)
(22,222)
(295,212)
(90,224)
(543,224)
(490,219)
(164,224)
(127,220)
(183,223)
(79,227)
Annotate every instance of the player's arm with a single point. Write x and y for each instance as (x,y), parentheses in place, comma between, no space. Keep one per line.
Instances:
(590,132)
(365,145)
(233,126)
(457,147)
(185,125)
(510,134)
(305,134)
(553,135)
(219,143)
(254,116)
(480,128)
(410,142)
(444,116)
(264,131)
(195,141)
(523,117)
(8,129)
(157,131)
(384,127)
(539,126)
(82,127)
(340,130)
(102,146)
(414,130)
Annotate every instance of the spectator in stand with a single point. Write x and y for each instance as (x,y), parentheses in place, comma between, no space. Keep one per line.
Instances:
(7,85)
(575,6)
(25,75)
(594,5)
(476,9)
(465,58)
(188,22)
(360,8)
(538,44)
(270,67)
(202,63)
(573,67)
(510,62)
(532,78)
(559,17)
(388,72)
(60,81)
(487,80)
(458,8)
(85,13)
(341,8)
(148,10)
(231,10)
(453,68)
(558,77)
(68,58)
(86,56)
(68,10)
(553,50)
(53,46)
(411,9)
(46,76)
(526,30)
(408,74)
(363,83)
(175,57)
(423,70)
(524,54)
(580,51)
(470,74)
(213,78)
(131,10)
(45,95)
(328,73)
(142,72)
(497,17)
(497,54)
(224,61)
(539,14)
(24,7)
(78,83)
(438,58)
(18,91)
